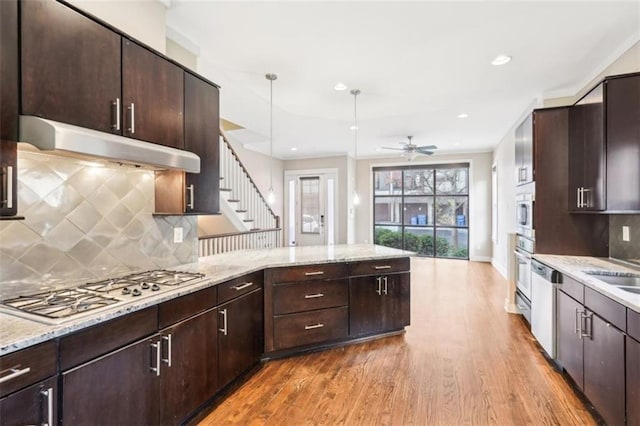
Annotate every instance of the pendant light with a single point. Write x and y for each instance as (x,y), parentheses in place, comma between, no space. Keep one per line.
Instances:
(271,196)
(355,93)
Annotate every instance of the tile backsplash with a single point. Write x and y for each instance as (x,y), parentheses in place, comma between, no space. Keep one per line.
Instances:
(84,222)
(624,250)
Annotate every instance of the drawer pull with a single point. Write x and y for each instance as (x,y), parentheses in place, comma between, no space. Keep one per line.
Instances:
(242,286)
(311,274)
(15,372)
(313,296)
(311,327)
(379,267)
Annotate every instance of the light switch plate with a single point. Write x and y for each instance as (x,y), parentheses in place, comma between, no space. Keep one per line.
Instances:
(625,233)
(177,235)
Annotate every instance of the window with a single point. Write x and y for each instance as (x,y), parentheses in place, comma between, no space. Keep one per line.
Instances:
(310,205)
(423,209)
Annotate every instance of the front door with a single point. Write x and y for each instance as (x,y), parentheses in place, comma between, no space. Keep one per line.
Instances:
(310,201)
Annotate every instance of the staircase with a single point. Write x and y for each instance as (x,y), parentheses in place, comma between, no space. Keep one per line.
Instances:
(244,206)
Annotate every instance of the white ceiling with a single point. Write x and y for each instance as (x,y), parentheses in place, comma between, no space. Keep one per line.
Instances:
(418,65)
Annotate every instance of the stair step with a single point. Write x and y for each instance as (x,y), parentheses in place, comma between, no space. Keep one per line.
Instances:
(221,177)
(254,229)
(233,201)
(241,211)
(225,189)
(247,220)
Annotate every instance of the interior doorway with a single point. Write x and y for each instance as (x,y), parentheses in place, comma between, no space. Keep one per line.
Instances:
(310,207)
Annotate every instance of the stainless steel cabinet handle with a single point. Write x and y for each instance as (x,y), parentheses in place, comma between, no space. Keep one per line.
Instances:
(116,106)
(588,325)
(311,274)
(586,192)
(158,348)
(132,122)
(313,296)
(379,289)
(167,360)
(379,267)
(223,330)
(386,285)
(49,394)
(311,327)
(191,197)
(578,197)
(15,372)
(578,325)
(7,187)
(242,286)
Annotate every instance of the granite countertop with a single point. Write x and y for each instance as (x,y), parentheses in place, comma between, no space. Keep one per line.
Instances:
(575,267)
(18,333)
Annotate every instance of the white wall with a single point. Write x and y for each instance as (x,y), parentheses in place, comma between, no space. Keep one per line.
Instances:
(479,198)
(143,20)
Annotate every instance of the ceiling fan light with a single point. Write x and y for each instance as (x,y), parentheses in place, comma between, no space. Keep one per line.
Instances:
(340,87)
(501,60)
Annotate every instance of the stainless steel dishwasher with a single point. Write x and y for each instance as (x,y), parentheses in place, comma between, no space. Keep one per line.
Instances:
(543,305)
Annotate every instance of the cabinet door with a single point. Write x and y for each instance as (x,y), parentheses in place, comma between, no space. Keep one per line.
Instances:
(117,389)
(31,406)
(570,350)
(70,66)
(576,155)
(604,370)
(396,301)
(632,379)
(524,151)
(623,143)
(201,136)
(365,305)
(153,96)
(241,335)
(189,357)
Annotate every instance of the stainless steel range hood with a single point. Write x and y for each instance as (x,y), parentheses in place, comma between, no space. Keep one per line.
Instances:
(78,142)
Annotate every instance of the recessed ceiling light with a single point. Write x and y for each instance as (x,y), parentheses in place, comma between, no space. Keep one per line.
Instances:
(457,144)
(294,149)
(463,115)
(340,87)
(501,60)
(378,149)
(354,128)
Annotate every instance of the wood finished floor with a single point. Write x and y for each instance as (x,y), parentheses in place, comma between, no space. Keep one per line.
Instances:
(463,361)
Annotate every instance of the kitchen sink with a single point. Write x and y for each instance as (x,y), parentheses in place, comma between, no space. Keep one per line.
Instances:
(627,280)
(635,290)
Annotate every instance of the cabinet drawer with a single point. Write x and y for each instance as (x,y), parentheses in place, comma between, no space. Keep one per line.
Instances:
(239,286)
(633,324)
(573,288)
(187,306)
(95,341)
(309,272)
(25,367)
(309,295)
(382,266)
(310,327)
(606,308)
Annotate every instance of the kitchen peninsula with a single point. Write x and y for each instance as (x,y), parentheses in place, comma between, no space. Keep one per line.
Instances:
(249,305)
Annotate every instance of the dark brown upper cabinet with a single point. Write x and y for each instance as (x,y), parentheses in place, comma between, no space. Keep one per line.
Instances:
(524,152)
(604,148)
(9,100)
(70,67)
(153,97)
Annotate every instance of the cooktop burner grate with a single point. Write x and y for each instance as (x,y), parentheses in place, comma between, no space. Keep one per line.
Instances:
(59,303)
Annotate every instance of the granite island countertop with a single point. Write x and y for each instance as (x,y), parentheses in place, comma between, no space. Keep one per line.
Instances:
(575,267)
(17,333)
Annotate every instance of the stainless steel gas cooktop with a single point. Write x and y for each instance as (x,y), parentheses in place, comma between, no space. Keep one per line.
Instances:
(55,306)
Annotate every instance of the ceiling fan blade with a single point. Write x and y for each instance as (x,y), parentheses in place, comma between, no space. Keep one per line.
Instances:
(427,147)
(424,151)
(395,149)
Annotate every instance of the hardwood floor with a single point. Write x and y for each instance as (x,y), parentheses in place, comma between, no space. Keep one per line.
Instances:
(463,360)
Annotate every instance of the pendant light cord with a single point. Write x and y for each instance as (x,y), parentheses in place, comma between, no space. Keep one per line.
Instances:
(355,93)
(271,134)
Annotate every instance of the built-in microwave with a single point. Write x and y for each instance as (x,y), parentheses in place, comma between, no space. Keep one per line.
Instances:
(524,215)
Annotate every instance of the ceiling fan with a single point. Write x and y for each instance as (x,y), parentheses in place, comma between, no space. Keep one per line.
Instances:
(411,150)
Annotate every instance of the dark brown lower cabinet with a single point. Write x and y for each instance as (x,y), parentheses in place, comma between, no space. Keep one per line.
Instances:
(570,350)
(604,381)
(378,303)
(189,363)
(35,405)
(633,382)
(119,388)
(240,335)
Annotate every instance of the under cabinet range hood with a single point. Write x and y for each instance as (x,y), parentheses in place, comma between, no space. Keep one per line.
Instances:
(78,142)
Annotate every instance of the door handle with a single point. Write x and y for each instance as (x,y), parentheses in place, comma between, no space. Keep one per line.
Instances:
(116,113)
(386,283)
(223,330)
(132,122)
(157,346)
(191,202)
(379,289)
(48,393)
(7,187)
(167,360)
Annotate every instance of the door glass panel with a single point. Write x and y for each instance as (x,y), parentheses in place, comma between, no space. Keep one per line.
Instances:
(419,240)
(388,236)
(330,210)
(452,242)
(418,211)
(388,211)
(452,181)
(292,213)
(387,182)
(418,181)
(310,205)
(452,211)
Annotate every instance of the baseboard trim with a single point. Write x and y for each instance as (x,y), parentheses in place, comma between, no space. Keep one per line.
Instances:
(499,268)
(510,307)
(480,259)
